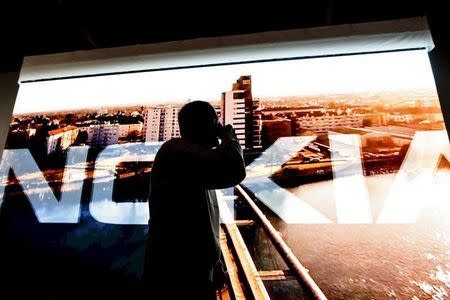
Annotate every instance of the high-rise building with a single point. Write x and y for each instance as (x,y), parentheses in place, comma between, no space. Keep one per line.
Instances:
(160,124)
(61,138)
(233,112)
(239,109)
(103,134)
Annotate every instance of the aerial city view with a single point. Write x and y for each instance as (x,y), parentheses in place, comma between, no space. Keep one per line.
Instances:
(386,123)
(384,102)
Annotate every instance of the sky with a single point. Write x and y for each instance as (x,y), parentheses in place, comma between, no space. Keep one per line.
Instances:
(370,73)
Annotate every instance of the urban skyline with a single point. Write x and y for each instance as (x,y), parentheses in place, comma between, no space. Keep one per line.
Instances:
(383,98)
(257,126)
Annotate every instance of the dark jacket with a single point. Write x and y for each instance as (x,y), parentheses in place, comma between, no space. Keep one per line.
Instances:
(183,240)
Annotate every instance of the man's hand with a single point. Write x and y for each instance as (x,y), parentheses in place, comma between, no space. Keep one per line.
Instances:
(229,128)
(225,130)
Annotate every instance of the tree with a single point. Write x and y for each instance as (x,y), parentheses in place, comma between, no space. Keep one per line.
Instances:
(82,137)
(133,135)
(70,119)
(367,122)
(59,149)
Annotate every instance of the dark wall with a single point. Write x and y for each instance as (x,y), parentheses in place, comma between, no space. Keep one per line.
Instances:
(8,92)
(440,59)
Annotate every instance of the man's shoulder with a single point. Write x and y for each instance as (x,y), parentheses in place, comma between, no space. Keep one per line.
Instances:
(173,143)
(174,151)
(176,145)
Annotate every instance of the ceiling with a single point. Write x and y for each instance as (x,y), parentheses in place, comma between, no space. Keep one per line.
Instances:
(38,27)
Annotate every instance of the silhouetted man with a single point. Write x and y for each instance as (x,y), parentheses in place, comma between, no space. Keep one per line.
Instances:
(183,250)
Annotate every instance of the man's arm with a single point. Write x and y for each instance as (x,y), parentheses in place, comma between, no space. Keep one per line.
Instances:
(217,168)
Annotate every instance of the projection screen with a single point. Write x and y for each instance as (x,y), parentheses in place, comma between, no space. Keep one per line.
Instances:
(344,139)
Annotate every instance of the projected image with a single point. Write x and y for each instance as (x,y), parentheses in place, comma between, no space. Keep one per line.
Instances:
(347,156)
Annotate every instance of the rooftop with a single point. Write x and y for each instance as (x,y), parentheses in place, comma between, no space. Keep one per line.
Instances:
(60,130)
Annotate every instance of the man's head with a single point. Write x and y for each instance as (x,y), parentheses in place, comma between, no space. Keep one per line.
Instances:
(198,123)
